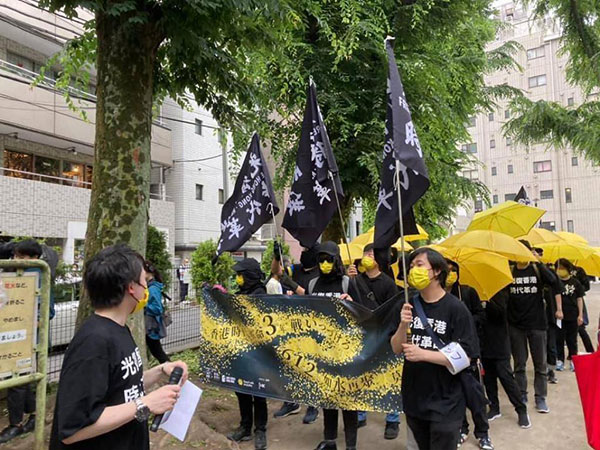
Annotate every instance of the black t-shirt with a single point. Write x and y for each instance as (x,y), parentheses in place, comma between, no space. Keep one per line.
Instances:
(331,286)
(382,286)
(303,277)
(526,308)
(572,290)
(430,391)
(102,367)
(495,343)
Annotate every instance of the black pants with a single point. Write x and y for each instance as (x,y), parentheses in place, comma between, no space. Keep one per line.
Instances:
(479,417)
(253,410)
(20,400)
(568,334)
(434,435)
(585,337)
(156,350)
(500,369)
(551,344)
(536,340)
(183,290)
(330,420)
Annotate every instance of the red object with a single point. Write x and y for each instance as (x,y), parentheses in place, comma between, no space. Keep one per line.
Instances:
(587,370)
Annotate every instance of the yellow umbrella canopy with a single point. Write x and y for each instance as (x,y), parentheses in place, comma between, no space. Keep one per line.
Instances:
(541,236)
(591,264)
(491,241)
(486,272)
(572,237)
(356,252)
(512,218)
(572,251)
(420,236)
(398,245)
(367,238)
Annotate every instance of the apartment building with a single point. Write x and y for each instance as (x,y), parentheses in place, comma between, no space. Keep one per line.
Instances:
(560,181)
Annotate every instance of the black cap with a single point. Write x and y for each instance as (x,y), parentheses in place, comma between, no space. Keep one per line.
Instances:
(329,248)
(247,265)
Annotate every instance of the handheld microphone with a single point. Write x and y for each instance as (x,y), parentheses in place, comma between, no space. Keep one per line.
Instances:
(173,379)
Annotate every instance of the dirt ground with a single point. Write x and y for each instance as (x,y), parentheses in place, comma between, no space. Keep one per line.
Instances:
(217,414)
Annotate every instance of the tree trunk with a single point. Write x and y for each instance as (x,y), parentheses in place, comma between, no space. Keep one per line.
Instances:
(121,178)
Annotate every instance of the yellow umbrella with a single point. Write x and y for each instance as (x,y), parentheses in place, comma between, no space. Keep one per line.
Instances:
(541,236)
(403,248)
(420,236)
(369,236)
(512,218)
(486,272)
(491,241)
(356,252)
(591,264)
(572,237)
(572,251)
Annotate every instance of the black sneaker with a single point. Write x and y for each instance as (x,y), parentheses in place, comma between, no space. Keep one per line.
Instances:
(287,409)
(326,445)
(10,432)
(239,435)
(485,443)
(311,415)
(391,430)
(30,424)
(260,440)
(552,377)
(524,421)
(541,406)
(493,414)
(362,423)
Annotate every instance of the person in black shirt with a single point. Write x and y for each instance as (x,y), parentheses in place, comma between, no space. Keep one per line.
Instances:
(495,357)
(584,280)
(101,402)
(375,288)
(334,284)
(253,409)
(552,330)
(527,325)
(433,398)
(470,298)
(572,303)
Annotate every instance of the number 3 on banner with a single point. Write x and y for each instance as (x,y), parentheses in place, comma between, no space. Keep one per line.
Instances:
(268,321)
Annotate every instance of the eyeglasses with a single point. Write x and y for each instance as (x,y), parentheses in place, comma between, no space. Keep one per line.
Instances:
(325,258)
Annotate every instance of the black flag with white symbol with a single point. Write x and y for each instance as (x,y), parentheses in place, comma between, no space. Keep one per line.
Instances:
(522,197)
(312,202)
(249,206)
(402,145)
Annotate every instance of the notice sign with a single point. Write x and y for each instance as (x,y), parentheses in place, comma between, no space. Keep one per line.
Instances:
(18,324)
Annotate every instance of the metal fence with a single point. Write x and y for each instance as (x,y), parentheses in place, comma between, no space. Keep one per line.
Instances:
(182,334)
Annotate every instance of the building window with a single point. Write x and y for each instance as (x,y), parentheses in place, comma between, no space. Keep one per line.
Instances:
(508,197)
(469,148)
(549,225)
(574,161)
(471,174)
(357,227)
(495,198)
(89,174)
(570,101)
(199,127)
(199,189)
(472,121)
(510,168)
(506,114)
(221,196)
(492,143)
(17,163)
(570,227)
(542,166)
(539,80)
(537,52)
(568,195)
(508,141)
(74,172)
(491,117)
(49,167)
(494,171)
(546,195)
(478,205)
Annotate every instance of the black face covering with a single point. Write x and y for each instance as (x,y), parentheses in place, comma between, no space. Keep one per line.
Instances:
(308,258)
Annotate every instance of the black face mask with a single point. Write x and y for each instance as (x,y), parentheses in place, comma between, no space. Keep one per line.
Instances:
(308,259)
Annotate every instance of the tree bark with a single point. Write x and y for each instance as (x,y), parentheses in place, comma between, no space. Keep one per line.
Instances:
(121,178)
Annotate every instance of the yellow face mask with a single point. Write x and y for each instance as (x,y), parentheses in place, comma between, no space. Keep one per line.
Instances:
(563,273)
(326,267)
(141,302)
(451,279)
(361,268)
(368,263)
(239,279)
(418,277)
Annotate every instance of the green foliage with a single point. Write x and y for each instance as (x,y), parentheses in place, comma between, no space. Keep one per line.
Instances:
(267,256)
(158,254)
(203,270)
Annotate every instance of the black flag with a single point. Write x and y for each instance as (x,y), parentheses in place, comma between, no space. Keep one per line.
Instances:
(249,206)
(312,202)
(401,144)
(522,197)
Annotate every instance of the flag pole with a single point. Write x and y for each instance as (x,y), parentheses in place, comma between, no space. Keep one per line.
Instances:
(398,187)
(276,232)
(342,223)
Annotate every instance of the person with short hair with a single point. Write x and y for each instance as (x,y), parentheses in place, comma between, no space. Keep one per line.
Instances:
(153,313)
(432,396)
(101,401)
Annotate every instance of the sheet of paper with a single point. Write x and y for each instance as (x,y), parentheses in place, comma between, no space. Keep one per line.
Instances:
(559,323)
(177,421)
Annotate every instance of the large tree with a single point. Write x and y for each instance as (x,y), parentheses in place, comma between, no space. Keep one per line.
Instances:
(441,53)
(550,122)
